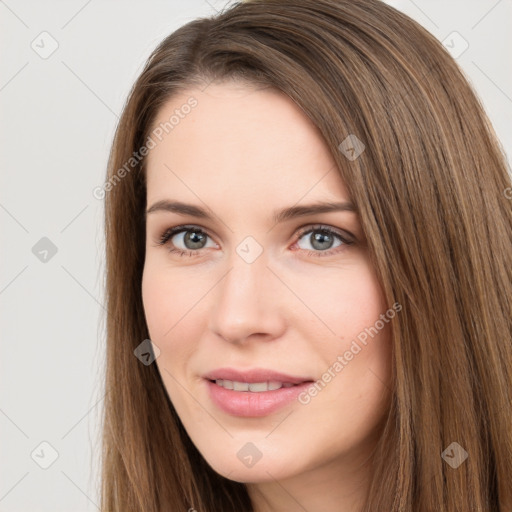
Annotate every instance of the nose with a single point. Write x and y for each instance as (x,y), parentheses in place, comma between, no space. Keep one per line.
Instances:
(248,303)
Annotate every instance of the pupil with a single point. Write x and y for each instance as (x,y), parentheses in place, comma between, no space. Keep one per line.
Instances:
(324,239)
(194,238)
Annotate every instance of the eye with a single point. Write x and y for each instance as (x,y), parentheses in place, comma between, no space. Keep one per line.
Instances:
(185,240)
(323,240)
(320,240)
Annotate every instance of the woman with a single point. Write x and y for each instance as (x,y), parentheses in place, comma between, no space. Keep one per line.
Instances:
(307,215)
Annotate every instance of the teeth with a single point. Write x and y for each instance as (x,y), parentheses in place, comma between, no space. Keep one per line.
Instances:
(228,384)
(240,386)
(255,387)
(258,386)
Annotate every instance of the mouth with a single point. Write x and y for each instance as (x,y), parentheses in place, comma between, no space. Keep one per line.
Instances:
(253,393)
(253,387)
(255,380)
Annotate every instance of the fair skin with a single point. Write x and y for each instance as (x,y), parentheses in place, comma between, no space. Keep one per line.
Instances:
(241,154)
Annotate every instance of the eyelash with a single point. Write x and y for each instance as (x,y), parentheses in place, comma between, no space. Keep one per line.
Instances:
(169,233)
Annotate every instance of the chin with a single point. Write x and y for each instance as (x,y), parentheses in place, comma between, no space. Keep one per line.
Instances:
(259,472)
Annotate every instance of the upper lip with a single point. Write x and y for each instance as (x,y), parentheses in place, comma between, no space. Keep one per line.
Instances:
(254,375)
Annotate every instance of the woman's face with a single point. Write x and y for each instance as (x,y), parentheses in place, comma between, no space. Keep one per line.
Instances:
(259,292)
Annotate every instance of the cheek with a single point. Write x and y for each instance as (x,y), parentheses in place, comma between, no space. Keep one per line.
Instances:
(347,300)
(155,298)
(363,325)
(356,356)
(172,311)
(169,308)
(169,300)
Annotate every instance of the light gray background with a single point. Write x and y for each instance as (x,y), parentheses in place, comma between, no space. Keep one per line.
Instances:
(58,119)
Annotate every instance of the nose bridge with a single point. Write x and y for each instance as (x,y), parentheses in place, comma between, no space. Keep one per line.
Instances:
(246,302)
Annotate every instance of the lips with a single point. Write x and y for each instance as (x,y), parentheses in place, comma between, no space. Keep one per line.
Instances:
(253,393)
(256,375)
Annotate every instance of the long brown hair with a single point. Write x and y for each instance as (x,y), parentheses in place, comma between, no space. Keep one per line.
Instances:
(430,189)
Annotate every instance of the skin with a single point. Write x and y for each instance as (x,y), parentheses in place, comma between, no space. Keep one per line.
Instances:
(242,153)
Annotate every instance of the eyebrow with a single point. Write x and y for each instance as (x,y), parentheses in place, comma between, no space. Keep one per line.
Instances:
(278,216)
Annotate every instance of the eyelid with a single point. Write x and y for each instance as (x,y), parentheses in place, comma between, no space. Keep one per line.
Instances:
(170,232)
(345,235)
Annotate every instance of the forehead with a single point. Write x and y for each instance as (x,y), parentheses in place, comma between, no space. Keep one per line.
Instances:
(241,143)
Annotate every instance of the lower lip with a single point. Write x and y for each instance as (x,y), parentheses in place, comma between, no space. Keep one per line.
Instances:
(252,404)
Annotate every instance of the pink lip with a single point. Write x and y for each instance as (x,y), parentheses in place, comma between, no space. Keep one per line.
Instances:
(252,404)
(254,375)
